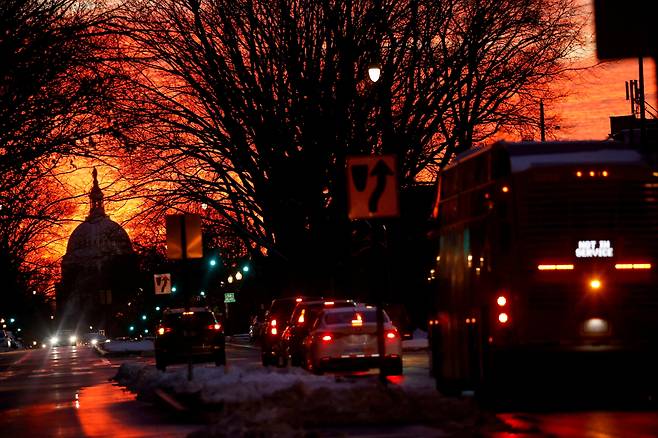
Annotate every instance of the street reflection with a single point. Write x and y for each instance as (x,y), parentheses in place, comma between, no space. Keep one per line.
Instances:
(105,410)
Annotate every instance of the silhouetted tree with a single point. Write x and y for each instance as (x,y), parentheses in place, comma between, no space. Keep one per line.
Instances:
(52,88)
(252,106)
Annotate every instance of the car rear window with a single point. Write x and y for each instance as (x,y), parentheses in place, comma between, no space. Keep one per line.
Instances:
(196,320)
(282,307)
(370,315)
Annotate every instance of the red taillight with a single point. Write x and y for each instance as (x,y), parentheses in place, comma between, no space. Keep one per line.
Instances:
(163,330)
(273,323)
(274,331)
(391,334)
(326,338)
(215,326)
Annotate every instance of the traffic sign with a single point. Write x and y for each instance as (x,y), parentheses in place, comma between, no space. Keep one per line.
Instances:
(162,283)
(229,297)
(184,236)
(372,186)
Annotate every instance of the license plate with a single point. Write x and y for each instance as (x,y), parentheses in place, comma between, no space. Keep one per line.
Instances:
(358,339)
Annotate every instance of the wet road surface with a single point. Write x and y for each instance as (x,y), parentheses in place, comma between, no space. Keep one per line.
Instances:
(66,392)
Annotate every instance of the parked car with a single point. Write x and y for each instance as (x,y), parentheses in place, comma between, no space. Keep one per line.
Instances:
(92,339)
(346,338)
(303,316)
(192,334)
(276,319)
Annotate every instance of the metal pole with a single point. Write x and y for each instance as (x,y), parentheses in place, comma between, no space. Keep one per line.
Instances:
(186,294)
(643,132)
(542,127)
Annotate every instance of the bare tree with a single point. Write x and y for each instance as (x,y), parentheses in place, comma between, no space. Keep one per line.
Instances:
(52,91)
(253,106)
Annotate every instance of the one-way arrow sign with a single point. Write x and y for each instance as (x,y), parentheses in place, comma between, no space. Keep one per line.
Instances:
(372,186)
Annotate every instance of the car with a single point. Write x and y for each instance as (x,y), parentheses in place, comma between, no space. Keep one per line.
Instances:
(189,334)
(63,337)
(92,339)
(303,316)
(276,318)
(346,339)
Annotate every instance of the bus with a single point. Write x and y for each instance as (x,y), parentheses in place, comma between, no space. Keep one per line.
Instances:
(546,265)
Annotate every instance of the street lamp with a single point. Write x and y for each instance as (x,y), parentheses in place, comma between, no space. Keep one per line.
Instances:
(374,71)
(238,275)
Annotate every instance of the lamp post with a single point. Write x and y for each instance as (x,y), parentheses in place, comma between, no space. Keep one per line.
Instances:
(374,73)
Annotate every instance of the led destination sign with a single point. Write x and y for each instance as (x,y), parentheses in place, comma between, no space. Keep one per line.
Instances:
(594,248)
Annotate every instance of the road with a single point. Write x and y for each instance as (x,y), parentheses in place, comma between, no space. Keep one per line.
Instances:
(66,392)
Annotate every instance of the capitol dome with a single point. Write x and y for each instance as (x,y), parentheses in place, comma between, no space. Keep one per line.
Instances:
(99,272)
(98,236)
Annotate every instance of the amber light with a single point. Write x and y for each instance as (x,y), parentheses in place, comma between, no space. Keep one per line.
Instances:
(579,174)
(592,173)
(188,313)
(329,303)
(595,284)
(301,317)
(604,173)
(633,266)
(358,321)
(555,267)
(505,189)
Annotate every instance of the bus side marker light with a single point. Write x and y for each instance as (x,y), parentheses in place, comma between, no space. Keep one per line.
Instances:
(633,266)
(503,318)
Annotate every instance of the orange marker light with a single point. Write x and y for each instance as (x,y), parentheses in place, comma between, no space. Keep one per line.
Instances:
(579,174)
(595,284)
(358,321)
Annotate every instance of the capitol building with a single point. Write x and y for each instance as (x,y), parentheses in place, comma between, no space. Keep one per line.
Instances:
(99,272)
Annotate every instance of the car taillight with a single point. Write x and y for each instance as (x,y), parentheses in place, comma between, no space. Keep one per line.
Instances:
(326,338)
(273,323)
(215,326)
(300,320)
(391,334)
(503,309)
(163,330)
(274,331)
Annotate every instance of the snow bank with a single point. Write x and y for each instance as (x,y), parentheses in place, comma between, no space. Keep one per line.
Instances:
(126,346)
(264,402)
(417,342)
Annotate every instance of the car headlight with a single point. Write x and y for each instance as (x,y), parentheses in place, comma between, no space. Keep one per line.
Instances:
(94,341)
(73,339)
(54,340)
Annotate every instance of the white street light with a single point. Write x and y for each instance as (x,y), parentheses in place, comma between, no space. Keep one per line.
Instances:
(374,71)
(230,279)
(238,275)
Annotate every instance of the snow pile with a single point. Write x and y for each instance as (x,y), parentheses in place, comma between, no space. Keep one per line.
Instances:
(265,402)
(417,342)
(115,346)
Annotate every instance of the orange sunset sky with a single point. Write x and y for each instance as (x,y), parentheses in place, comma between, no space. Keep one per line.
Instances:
(596,94)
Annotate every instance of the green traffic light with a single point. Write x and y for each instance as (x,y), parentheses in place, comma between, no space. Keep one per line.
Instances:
(245,268)
(143,317)
(173,289)
(131,328)
(213,262)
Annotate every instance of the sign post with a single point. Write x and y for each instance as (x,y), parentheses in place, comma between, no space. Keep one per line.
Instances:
(373,193)
(183,243)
